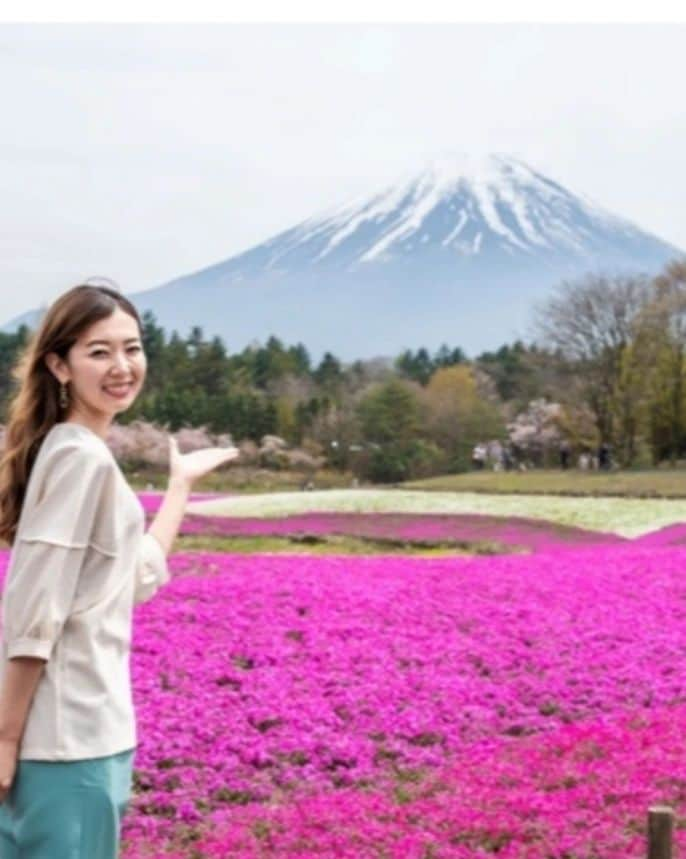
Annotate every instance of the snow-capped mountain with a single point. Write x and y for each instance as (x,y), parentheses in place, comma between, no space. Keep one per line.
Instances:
(461,207)
(458,254)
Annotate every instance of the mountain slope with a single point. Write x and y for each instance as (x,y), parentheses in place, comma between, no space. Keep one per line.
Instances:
(458,254)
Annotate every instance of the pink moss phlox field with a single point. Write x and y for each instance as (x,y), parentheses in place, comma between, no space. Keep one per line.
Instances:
(258,678)
(671,535)
(529,707)
(503,532)
(535,535)
(582,791)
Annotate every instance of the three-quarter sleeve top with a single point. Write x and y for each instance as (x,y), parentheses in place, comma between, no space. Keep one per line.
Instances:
(80,561)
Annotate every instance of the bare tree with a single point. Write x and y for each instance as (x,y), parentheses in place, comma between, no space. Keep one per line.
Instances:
(590,323)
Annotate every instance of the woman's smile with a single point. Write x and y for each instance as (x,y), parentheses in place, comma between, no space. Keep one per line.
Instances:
(119,390)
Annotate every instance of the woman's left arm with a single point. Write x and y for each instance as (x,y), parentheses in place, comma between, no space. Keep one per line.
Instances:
(151,569)
(184,470)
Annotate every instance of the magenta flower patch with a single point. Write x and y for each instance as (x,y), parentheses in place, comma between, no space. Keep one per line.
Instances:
(262,683)
(459,529)
(524,706)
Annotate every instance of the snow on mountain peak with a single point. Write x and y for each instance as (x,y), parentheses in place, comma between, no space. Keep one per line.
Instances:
(460,204)
(446,171)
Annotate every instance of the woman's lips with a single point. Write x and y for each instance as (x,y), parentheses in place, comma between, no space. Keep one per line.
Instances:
(118,391)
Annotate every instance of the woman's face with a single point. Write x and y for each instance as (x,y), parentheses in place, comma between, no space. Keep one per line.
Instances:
(106,367)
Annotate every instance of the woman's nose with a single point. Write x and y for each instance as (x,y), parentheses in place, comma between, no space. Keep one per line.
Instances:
(121,362)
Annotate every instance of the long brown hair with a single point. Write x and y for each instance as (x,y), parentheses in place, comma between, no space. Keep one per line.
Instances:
(34,408)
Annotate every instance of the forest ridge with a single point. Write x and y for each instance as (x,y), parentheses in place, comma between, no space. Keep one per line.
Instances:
(607,365)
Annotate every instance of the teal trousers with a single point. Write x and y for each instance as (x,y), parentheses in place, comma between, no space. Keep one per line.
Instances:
(66,809)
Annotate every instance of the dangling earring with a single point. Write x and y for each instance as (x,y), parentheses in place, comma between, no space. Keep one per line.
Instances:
(64,398)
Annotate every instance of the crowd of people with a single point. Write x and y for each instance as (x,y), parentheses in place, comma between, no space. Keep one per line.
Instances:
(505,457)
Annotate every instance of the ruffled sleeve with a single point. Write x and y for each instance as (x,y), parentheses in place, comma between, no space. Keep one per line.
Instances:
(151,568)
(58,523)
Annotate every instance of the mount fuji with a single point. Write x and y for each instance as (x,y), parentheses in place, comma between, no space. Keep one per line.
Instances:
(458,253)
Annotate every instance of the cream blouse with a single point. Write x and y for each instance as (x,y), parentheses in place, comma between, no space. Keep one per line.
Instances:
(79,563)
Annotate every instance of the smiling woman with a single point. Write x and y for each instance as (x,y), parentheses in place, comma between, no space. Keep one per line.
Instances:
(89,340)
(80,561)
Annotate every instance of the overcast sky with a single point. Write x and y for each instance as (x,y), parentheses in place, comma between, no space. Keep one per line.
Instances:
(144,152)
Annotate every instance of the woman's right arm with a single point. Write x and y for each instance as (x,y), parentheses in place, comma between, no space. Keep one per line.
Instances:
(21,677)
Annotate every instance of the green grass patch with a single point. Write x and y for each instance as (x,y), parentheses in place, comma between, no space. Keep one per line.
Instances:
(333,544)
(663,482)
(653,483)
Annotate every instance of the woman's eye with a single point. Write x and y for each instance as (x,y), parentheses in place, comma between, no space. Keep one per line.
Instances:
(104,352)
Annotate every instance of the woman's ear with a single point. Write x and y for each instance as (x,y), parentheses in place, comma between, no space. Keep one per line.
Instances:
(57,367)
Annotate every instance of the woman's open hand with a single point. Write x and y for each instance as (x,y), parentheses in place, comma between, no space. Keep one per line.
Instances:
(188,467)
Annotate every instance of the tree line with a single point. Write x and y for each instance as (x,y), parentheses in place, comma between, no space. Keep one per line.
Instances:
(609,351)
(617,348)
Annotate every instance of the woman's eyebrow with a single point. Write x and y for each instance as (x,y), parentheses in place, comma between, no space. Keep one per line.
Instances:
(107,342)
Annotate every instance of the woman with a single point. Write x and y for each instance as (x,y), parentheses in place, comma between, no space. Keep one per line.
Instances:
(80,561)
